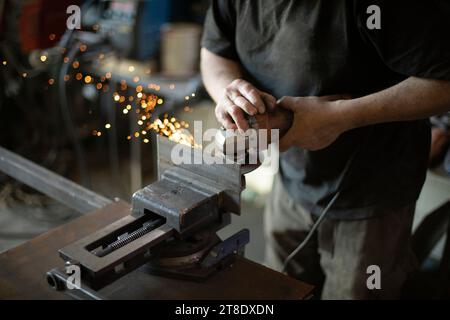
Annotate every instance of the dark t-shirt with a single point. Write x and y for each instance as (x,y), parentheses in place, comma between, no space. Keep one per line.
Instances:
(323,47)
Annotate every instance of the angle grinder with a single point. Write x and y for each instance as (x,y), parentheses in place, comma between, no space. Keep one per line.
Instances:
(234,144)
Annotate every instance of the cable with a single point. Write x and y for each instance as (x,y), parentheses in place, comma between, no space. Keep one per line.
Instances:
(324,212)
(311,232)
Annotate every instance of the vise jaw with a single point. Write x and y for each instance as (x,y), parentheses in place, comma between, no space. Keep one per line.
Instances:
(190,195)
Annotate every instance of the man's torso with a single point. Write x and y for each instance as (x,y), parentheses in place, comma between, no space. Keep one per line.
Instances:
(316,48)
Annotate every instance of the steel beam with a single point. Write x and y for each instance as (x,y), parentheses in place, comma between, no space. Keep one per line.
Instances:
(51,184)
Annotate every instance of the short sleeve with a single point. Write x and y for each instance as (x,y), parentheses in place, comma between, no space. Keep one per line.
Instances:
(219,29)
(414,38)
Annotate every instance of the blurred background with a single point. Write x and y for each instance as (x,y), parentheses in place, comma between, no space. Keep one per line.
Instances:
(88,103)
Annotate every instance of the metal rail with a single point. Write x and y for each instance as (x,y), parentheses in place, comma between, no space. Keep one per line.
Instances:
(51,184)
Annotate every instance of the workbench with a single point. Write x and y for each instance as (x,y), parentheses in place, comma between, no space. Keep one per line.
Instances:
(23,269)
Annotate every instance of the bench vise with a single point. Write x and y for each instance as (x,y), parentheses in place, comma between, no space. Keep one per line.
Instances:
(172,228)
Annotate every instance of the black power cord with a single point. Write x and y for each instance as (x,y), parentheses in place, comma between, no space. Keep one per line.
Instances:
(322,216)
(310,233)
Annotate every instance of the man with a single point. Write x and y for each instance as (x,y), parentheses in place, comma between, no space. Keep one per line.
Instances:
(360,81)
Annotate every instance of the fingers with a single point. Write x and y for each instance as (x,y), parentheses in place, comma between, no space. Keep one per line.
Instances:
(241,97)
(231,116)
(224,118)
(245,105)
(226,121)
(269,100)
(250,93)
(238,117)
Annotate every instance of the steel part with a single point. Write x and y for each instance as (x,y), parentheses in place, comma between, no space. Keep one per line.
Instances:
(203,263)
(51,184)
(124,240)
(193,272)
(184,208)
(57,280)
(179,248)
(224,178)
(100,271)
(232,245)
(183,254)
(191,267)
(135,155)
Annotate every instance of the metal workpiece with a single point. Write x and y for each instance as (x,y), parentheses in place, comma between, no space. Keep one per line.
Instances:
(51,184)
(231,143)
(280,119)
(235,145)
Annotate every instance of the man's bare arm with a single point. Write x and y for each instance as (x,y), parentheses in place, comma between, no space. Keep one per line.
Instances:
(233,95)
(412,99)
(318,121)
(218,73)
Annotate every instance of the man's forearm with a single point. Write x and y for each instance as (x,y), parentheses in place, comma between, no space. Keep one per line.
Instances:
(411,99)
(217,73)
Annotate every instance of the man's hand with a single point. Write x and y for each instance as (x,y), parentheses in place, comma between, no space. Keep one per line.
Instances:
(239,97)
(317,122)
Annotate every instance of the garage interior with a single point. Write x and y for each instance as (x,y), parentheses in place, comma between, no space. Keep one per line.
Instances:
(90,105)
